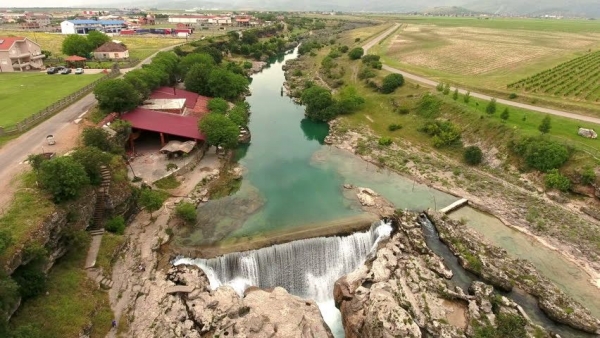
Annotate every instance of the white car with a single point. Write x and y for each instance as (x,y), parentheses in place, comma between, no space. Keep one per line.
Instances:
(79,71)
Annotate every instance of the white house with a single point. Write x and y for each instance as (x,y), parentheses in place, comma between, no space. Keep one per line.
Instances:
(85,26)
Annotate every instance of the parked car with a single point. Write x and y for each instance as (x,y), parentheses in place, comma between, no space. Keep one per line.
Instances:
(66,71)
(51,70)
(79,71)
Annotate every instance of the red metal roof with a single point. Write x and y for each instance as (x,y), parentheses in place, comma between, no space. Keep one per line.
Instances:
(172,124)
(7,42)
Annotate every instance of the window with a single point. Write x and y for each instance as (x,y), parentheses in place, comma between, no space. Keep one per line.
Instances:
(116,55)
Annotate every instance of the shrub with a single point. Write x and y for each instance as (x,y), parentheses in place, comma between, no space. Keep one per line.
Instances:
(403,110)
(186,211)
(356,53)
(376,65)
(31,280)
(505,114)
(467,97)
(446,89)
(344,49)
(218,105)
(152,200)
(357,40)
(541,154)
(439,87)
(247,65)
(588,176)
(394,127)
(491,107)
(334,54)
(366,73)
(96,137)
(391,82)
(297,72)
(63,177)
(367,59)
(455,95)
(92,158)
(545,125)
(555,180)
(473,155)
(444,133)
(512,96)
(429,106)
(385,141)
(116,225)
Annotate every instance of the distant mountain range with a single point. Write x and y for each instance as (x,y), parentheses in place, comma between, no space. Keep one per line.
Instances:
(582,8)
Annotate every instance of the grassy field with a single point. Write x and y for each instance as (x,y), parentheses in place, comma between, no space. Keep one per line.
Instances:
(489,54)
(73,302)
(23,94)
(378,112)
(139,47)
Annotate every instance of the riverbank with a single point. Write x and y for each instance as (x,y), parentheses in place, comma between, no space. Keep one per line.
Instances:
(511,204)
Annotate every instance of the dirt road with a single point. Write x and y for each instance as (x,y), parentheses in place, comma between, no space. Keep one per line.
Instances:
(433,83)
(61,125)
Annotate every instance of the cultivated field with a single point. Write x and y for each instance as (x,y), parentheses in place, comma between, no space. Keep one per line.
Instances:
(23,94)
(490,54)
(140,47)
(577,79)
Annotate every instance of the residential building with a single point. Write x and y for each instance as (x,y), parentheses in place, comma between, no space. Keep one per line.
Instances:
(19,54)
(39,20)
(111,50)
(85,26)
(222,20)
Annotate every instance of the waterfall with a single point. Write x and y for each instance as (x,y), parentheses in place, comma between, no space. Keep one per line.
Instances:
(307,268)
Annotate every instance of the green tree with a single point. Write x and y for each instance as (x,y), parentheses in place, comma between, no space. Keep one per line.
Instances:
(186,211)
(196,79)
(5,240)
(218,105)
(391,82)
(96,39)
(467,97)
(63,177)
(35,160)
(317,99)
(116,95)
(75,44)
(92,158)
(151,200)
(491,107)
(356,53)
(446,89)
(190,60)
(96,137)
(219,130)
(455,94)
(555,180)
(239,114)
(227,85)
(505,114)
(473,155)
(545,126)
(542,154)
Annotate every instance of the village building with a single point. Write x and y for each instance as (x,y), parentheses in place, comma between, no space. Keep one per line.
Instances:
(36,21)
(111,51)
(85,26)
(19,54)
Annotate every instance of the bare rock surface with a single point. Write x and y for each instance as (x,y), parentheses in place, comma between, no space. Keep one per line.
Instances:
(404,292)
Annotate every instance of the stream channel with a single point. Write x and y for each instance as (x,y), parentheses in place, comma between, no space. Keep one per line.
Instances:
(292,179)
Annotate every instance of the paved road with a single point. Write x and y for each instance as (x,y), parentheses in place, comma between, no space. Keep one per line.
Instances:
(16,151)
(433,83)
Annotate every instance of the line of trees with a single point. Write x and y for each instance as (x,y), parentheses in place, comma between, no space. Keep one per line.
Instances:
(75,44)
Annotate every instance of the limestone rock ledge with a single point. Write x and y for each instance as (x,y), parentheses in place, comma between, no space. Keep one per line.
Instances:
(495,266)
(403,292)
(222,313)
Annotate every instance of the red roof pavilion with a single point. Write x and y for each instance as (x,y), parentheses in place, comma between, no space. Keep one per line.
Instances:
(172,124)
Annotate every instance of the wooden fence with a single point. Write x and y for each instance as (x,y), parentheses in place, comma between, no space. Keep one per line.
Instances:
(52,109)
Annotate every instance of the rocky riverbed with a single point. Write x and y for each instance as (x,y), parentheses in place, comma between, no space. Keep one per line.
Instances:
(494,266)
(403,291)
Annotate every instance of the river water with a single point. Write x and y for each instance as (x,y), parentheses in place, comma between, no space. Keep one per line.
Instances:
(292,179)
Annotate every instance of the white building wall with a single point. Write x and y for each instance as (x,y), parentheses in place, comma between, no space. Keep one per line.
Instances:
(67,27)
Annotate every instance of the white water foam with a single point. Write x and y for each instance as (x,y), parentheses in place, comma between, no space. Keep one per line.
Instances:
(307,268)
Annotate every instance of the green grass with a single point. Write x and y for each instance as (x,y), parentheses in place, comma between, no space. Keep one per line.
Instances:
(25,214)
(24,94)
(72,302)
(169,182)
(107,254)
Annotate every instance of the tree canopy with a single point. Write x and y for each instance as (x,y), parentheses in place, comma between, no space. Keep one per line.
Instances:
(391,82)
(151,200)
(356,53)
(218,105)
(545,125)
(92,158)
(63,177)
(226,84)
(75,44)
(96,39)
(116,95)
(219,130)
(317,100)
(196,79)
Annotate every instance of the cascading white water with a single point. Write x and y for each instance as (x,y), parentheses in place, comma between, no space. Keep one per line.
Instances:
(307,268)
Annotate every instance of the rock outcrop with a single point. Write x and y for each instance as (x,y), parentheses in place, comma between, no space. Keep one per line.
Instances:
(494,266)
(403,292)
(223,313)
(372,202)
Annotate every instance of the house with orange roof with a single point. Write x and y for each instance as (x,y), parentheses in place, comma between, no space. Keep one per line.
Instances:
(19,54)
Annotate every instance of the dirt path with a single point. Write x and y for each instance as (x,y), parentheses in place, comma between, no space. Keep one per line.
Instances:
(433,83)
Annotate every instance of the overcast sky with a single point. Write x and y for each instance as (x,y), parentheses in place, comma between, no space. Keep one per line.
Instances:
(48,3)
